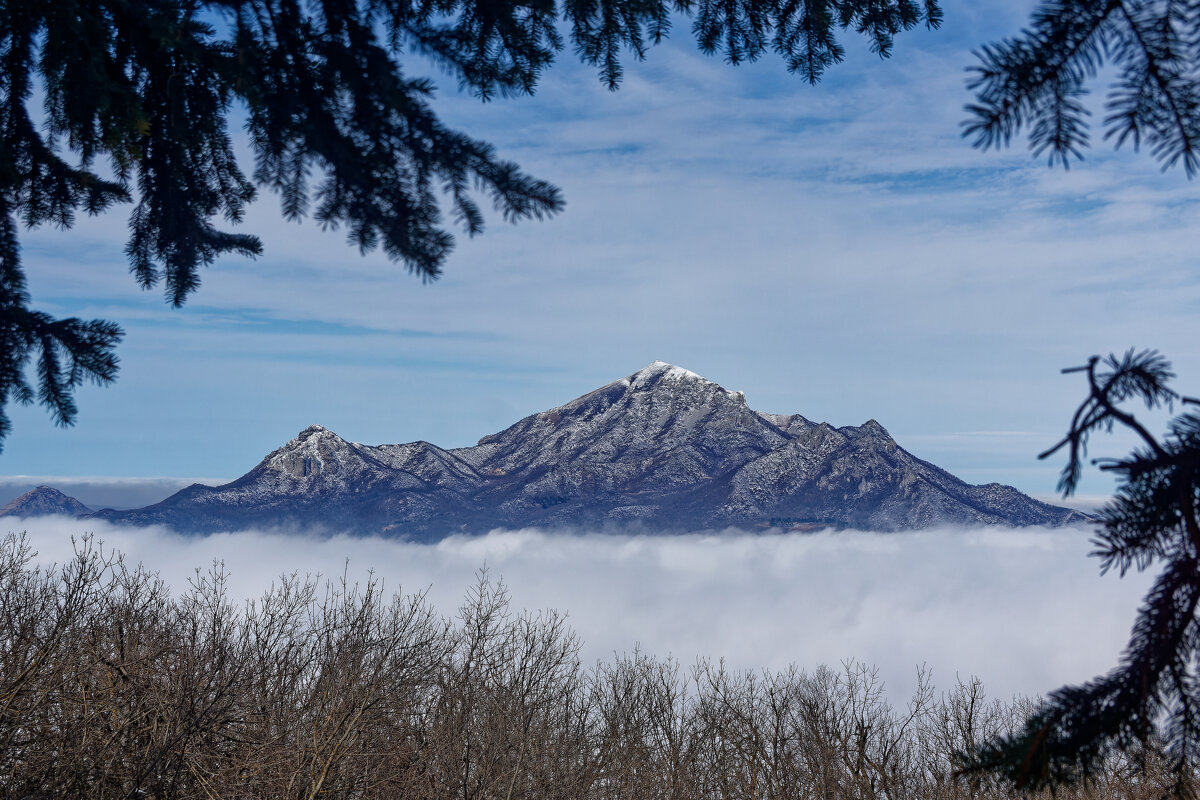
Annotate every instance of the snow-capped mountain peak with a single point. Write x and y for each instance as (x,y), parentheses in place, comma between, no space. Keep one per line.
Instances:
(664,449)
(314,450)
(662,377)
(662,371)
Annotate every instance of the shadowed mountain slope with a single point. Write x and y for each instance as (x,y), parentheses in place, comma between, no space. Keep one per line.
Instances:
(663,450)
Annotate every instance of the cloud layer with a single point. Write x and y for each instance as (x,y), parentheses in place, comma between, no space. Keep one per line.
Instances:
(1023,609)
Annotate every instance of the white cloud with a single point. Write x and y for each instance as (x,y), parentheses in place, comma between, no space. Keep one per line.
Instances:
(1023,609)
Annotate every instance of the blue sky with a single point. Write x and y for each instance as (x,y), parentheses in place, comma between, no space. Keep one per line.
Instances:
(837,251)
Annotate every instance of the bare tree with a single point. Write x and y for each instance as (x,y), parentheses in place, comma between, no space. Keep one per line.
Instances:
(114,687)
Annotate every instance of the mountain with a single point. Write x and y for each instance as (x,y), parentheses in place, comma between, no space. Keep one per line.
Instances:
(318,479)
(44,502)
(663,450)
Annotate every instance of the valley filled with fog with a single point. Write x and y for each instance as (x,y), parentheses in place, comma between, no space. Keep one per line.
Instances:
(1025,610)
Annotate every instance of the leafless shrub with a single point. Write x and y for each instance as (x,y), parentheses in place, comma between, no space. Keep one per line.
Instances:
(111,686)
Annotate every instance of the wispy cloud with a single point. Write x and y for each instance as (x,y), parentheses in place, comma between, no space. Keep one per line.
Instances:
(837,251)
(1023,609)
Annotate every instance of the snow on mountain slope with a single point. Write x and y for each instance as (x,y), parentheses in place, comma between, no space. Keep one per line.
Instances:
(661,423)
(664,449)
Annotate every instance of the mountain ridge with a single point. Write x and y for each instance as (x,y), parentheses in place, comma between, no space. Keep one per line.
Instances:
(661,450)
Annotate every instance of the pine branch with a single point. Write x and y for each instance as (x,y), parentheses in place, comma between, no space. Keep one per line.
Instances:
(1171,100)
(1035,80)
(142,92)
(1152,695)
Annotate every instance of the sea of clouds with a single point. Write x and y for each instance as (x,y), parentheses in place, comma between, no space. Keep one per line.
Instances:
(1025,609)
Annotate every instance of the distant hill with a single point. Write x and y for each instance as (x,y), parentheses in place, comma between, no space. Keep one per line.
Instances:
(663,450)
(44,501)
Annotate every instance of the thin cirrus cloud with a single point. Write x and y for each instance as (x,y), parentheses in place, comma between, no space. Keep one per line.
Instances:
(1024,610)
(837,251)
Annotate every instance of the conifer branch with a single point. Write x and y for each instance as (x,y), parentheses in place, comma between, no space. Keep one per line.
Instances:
(1149,700)
(336,127)
(1035,81)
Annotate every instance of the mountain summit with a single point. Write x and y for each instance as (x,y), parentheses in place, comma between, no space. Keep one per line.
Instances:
(44,501)
(662,450)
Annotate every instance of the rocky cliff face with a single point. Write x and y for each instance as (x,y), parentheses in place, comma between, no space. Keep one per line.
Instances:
(662,450)
(44,502)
